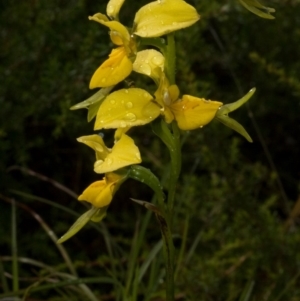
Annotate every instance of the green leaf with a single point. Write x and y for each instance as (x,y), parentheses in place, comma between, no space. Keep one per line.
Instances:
(146,176)
(258,9)
(95,98)
(95,214)
(234,125)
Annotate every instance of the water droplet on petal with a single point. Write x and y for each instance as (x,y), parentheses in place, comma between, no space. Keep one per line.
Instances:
(126,91)
(129,105)
(174,23)
(201,126)
(98,163)
(109,161)
(157,60)
(146,69)
(130,117)
(122,124)
(112,101)
(103,80)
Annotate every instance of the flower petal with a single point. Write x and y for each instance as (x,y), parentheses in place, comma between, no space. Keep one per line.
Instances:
(193,112)
(149,62)
(124,153)
(126,107)
(115,69)
(97,144)
(113,8)
(113,26)
(98,193)
(164,16)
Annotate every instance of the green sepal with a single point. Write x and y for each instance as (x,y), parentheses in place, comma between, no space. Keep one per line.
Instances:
(97,97)
(99,215)
(234,125)
(258,9)
(94,214)
(92,110)
(147,177)
(230,107)
(222,114)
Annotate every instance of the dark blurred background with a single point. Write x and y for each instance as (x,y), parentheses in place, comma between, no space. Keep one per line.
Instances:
(233,190)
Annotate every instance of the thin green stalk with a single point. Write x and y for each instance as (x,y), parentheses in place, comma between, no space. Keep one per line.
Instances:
(15,270)
(175,169)
(170,56)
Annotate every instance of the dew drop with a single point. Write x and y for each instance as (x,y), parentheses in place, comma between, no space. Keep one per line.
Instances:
(103,80)
(174,23)
(130,117)
(162,22)
(157,60)
(201,126)
(109,161)
(112,101)
(122,124)
(129,105)
(98,163)
(102,121)
(126,91)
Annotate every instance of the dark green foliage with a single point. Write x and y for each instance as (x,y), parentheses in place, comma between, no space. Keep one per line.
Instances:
(229,195)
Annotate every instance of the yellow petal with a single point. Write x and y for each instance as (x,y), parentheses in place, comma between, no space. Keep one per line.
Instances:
(124,153)
(164,16)
(120,131)
(125,108)
(149,62)
(97,144)
(115,69)
(113,8)
(98,193)
(114,26)
(192,112)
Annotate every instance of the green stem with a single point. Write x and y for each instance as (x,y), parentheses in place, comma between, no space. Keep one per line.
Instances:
(170,58)
(175,153)
(175,169)
(168,255)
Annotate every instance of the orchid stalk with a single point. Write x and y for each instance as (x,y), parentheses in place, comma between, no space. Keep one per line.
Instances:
(169,112)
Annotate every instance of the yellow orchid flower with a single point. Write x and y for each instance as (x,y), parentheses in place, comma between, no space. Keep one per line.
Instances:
(126,108)
(100,193)
(189,112)
(164,16)
(119,64)
(149,62)
(113,7)
(123,153)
